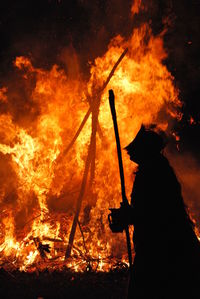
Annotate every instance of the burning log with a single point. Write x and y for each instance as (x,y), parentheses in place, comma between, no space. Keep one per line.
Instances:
(42,248)
(52,239)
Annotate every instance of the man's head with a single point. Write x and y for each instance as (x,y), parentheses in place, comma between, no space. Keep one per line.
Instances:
(145,145)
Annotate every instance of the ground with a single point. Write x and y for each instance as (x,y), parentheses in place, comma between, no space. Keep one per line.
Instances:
(65,284)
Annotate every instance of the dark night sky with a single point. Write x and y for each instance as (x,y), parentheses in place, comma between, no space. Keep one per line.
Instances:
(41,29)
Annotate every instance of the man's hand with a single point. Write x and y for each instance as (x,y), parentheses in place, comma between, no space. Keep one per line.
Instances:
(120,218)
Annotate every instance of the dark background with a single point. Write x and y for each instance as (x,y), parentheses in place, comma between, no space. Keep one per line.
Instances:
(42,29)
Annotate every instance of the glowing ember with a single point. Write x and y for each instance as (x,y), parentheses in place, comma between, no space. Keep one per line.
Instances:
(43,179)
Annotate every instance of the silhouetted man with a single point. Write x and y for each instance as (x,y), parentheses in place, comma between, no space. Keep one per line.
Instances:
(167,259)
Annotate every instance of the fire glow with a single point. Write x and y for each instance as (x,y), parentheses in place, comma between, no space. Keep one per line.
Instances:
(44,174)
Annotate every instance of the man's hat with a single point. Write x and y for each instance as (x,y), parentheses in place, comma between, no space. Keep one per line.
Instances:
(148,140)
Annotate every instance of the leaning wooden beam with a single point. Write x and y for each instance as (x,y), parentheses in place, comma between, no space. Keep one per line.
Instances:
(90,109)
(95,114)
(114,68)
(94,108)
(76,135)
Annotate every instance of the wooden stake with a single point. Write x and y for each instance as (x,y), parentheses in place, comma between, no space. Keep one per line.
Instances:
(80,198)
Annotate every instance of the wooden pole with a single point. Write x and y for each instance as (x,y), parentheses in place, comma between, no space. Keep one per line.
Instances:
(79,202)
(121,170)
(92,148)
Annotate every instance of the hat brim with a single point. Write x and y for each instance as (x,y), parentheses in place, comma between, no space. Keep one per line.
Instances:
(130,146)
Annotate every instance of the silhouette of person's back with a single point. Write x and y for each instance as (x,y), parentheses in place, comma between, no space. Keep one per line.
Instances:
(167,259)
